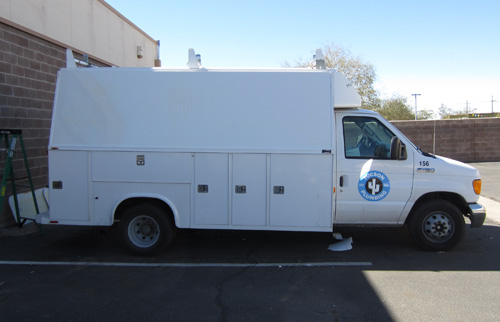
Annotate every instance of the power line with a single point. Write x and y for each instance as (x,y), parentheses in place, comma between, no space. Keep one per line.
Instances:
(467,102)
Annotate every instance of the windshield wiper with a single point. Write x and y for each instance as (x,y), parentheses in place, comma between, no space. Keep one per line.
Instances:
(427,154)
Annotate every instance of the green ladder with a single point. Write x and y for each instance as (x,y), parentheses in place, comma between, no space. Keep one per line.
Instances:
(11,137)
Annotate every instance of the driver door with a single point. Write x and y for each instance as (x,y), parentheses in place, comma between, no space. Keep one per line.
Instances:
(372,188)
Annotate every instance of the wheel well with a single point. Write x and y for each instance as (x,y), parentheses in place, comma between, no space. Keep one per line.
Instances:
(125,204)
(453,198)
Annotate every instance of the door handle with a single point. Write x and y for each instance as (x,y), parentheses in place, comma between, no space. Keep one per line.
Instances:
(341,183)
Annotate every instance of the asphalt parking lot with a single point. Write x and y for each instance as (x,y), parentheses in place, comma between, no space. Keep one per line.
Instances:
(490,174)
(82,273)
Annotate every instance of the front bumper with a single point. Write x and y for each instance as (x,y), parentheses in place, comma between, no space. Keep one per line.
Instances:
(477,215)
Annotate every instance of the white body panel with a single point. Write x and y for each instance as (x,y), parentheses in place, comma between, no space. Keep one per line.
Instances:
(230,149)
(211,207)
(203,111)
(445,175)
(307,182)
(351,206)
(71,203)
(249,207)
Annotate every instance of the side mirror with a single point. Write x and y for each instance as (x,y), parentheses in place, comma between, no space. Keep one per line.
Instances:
(398,150)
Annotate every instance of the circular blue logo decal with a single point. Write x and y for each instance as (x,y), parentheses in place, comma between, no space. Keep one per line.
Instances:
(374,186)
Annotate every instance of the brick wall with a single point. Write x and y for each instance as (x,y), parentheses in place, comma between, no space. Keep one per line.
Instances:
(28,72)
(467,140)
(28,69)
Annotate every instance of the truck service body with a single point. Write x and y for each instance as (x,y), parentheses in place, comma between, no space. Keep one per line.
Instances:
(267,149)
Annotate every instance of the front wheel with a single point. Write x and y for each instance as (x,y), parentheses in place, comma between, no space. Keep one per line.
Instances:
(146,230)
(437,226)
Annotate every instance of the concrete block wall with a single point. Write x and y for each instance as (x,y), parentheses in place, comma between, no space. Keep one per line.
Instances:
(467,140)
(28,73)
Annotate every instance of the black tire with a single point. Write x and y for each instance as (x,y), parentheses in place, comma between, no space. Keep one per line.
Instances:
(146,230)
(437,225)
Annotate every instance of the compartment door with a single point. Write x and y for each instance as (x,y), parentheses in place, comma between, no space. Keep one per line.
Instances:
(211,189)
(249,190)
(69,186)
(301,191)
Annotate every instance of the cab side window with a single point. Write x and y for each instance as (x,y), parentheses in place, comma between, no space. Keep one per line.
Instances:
(366,138)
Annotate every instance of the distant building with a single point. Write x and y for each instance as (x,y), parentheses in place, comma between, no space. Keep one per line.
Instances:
(34,36)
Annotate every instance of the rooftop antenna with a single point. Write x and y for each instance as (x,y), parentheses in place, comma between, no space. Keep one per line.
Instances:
(194,61)
(320,59)
(70,59)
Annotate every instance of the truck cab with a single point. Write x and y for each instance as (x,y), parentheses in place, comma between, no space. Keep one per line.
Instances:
(400,184)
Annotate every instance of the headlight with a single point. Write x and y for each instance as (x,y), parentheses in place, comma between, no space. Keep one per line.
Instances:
(477,186)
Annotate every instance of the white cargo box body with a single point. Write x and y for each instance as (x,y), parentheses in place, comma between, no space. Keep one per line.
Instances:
(202,110)
(236,149)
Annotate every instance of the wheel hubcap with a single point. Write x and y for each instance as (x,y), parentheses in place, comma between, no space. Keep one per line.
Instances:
(143,231)
(438,227)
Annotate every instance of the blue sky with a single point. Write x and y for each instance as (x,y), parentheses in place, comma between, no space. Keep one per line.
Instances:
(447,51)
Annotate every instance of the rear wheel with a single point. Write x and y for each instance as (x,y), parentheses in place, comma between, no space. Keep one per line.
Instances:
(146,229)
(437,226)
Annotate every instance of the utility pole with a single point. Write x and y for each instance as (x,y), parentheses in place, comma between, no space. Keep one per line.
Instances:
(415,104)
(492,101)
(467,109)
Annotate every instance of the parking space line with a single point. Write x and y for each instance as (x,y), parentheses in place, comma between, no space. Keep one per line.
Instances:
(188,265)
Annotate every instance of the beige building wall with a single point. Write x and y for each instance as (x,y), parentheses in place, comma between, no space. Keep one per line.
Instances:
(34,35)
(87,26)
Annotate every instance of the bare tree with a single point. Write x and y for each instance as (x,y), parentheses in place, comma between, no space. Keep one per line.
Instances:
(361,74)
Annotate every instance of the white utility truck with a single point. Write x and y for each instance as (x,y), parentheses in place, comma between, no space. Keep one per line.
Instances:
(258,149)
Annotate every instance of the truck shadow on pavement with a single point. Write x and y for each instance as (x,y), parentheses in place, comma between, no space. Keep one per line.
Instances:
(247,293)
(385,248)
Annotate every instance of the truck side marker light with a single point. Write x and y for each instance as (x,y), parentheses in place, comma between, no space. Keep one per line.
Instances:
(477,186)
